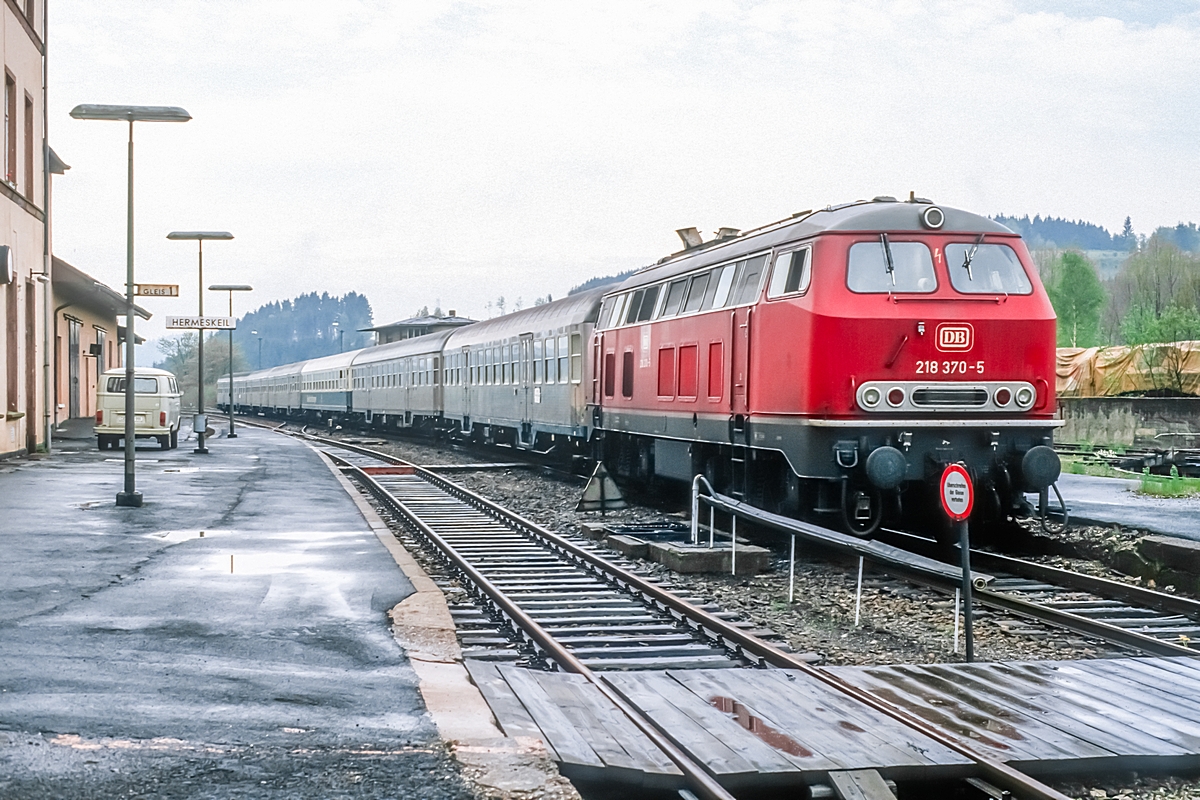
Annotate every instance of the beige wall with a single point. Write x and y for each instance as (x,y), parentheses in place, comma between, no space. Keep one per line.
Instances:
(22,303)
(90,368)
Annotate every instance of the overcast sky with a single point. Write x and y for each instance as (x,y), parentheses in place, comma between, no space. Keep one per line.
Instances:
(453,152)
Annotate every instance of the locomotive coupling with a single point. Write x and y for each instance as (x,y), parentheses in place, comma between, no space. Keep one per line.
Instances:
(886,467)
(1040,467)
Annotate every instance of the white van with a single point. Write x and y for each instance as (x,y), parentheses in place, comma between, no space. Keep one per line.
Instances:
(156,407)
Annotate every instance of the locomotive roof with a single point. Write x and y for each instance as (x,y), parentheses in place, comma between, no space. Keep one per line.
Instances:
(416,345)
(571,310)
(873,216)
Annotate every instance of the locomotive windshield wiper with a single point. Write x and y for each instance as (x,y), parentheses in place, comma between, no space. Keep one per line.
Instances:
(970,256)
(887,254)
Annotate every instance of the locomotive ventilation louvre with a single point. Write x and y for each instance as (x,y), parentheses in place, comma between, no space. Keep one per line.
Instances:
(949,397)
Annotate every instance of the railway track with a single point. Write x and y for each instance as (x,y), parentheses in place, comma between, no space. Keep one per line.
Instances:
(1144,620)
(575,609)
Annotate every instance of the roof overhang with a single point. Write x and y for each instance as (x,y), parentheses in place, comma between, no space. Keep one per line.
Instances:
(75,287)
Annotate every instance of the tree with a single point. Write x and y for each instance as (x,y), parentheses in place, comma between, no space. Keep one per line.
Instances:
(180,358)
(302,328)
(1157,339)
(1127,239)
(500,304)
(1077,296)
(1155,277)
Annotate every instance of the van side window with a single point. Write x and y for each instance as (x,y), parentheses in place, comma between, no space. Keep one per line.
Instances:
(791,274)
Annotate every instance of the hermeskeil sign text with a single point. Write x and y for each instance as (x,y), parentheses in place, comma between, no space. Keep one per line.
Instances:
(218,323)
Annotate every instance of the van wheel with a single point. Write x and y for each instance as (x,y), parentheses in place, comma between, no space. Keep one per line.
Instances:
(174,438)
(101,441)
(164,442)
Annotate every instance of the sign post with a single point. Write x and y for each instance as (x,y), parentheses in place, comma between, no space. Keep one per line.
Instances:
(958,497)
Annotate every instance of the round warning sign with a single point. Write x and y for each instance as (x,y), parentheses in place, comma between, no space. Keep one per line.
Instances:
(957,493)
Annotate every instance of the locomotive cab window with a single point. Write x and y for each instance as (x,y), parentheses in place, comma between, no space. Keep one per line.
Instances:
(791,274)
(674,298)
(986,269)
(882,265)
(748,281)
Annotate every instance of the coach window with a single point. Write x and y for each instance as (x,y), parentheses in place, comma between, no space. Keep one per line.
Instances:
(749,280)
(551,361)
(986,269)
(537,360)
(674,298)
(627,374)
(695,295)
(790,275)
(882,265)
(576,358)
(562,359)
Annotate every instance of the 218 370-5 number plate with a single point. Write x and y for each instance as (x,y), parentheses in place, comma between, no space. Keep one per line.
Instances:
(949,368)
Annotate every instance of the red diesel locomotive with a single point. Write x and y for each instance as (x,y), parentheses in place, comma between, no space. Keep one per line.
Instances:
(833,363)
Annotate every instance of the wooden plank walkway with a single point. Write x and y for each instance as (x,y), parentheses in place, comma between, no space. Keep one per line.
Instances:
(777,728)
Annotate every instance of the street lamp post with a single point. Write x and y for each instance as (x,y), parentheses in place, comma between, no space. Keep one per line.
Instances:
(201,424)
(341,335)
(130,496)
(255,333)
(231,288)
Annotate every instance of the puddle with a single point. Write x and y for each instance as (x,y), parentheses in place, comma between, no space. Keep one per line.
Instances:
(182,536)
(182,469)
(136,460)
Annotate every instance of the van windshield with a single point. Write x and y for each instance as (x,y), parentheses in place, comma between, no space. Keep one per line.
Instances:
(140,385)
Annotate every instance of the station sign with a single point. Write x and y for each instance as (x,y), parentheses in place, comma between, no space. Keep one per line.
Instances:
(156,289)
(201,323)
(956,492)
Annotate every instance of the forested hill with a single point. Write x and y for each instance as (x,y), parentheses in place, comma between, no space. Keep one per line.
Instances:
(303,328)
(1055,232)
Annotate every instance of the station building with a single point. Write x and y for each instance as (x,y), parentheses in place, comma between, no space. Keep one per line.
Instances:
(24,289)
(88,338)
(416,326)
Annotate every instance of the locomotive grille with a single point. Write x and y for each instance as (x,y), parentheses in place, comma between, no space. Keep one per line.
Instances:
(949,397)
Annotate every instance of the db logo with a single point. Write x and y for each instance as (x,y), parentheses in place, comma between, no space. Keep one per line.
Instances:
(955,337)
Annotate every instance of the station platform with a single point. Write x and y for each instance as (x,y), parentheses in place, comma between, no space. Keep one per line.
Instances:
(228,639)
(1114,501)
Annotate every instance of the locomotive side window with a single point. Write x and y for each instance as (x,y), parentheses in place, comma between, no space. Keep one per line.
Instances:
(649,301)
(674,298)
(627,374)
(695,297)
(606,309)
(666,371)
(791,274)
(748,281)
(687,371)
(724,282)
(716,371)
(610,374)
(635,305)
(909,268)
(990,269)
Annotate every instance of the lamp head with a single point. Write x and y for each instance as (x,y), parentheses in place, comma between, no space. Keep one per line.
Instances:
(199,235)
(131,113)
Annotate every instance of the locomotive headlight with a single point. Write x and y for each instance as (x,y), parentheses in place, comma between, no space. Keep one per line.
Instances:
(871,397)
(1024,397)
(933,218)
(1003,396)
(895,396)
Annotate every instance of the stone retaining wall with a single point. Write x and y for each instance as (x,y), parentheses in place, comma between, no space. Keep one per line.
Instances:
(1130,421)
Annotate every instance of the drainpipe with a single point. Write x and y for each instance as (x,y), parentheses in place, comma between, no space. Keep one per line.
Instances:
(48,327)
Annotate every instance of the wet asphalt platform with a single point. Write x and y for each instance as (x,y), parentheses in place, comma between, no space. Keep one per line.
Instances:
(134,662)
(1114,501)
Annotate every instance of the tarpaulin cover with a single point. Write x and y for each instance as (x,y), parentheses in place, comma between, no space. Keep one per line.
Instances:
(1110,371)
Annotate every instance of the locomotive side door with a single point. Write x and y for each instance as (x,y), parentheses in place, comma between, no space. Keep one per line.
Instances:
(739,360)
(525,435)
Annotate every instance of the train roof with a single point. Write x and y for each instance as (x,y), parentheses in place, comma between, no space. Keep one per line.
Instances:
(571,310)
(417,345)
(880,215)
(336,361)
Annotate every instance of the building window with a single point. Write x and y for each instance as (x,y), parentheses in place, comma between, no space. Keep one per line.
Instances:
(29,177)
(10,128)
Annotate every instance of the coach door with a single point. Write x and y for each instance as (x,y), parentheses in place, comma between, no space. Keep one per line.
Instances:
(526,391)
(465,387)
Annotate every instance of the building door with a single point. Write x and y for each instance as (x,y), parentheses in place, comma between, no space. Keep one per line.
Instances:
(31,413)
(73,329)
